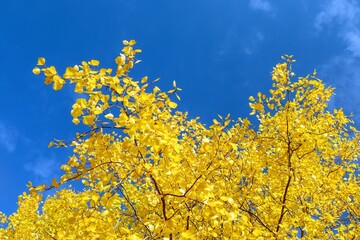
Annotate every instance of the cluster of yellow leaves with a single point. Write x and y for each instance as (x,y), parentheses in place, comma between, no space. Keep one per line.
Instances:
(149,172)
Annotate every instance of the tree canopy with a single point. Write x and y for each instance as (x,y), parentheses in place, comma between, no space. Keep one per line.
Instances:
(148,171)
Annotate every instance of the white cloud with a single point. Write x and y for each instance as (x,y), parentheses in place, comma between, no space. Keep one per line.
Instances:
(343,70)
(253,42)
(353,40)
(262,5)
(8,137)
(248,51)
(346,15)
(339,10)
(42,168)
(259,36)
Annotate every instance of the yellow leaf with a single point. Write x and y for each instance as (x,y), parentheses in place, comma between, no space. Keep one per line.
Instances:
(94,63)
(52,70)
(132,42)
(124,230)
(206,140)
(76,121)
(32,191)
(224,198)
(172,105)
(98,110)
(127,80)
(60,233)
(48,80)
(134,237)
(257,232)
(144,79)
(270,106)
(65,167)
(54,183)
(41,61)
(187,234)
(40,187)
(132,120)
(234,146)
(147,166)
(353,129)
(216,122)
(109,116)
(57,86)
(91,227)
(51,144)
(89,120)
(36,70)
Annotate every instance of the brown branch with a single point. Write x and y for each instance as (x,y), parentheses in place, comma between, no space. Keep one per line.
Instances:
(163,203)
(52,237)
(289,152)
(283,204)
(129,202)
(156,186)
(175,212)
(187,222)
(78,174)
(258,219)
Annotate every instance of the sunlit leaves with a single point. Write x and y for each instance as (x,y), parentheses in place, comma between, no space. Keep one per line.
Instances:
(54,183)
(51,144)
(109,116)
(36,70)
(172,105)
(150,172)
(94,63)
(41,61)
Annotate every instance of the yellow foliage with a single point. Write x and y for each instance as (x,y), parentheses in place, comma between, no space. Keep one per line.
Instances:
(150,172)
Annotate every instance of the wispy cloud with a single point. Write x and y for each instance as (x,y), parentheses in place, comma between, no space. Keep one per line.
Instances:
(253,42)
(8,137)
(234,41)
(343,70)
(42,168)
(344,14)
(262,5)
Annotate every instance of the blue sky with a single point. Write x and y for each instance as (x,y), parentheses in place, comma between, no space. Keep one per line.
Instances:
(219,52)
